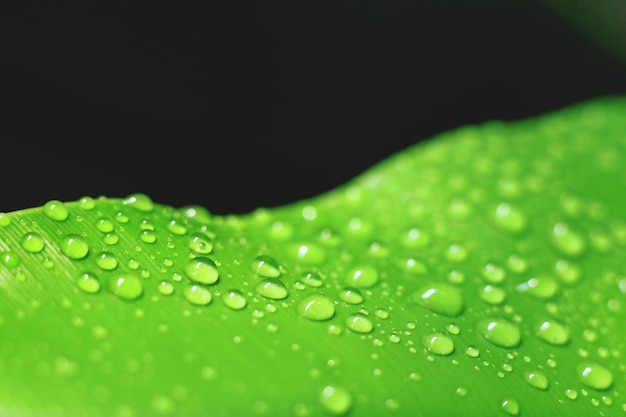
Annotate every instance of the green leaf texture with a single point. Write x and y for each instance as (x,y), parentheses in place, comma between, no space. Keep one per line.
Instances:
(481,273)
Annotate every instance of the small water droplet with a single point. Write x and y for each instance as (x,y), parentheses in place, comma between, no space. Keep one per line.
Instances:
(312,279)
(472,351)
(139,201)
(517,264)
(553,332)
(500,332)
(336,400)
(536,379)
(272,288)
(266,266)
(567,241)
(127,286)
(572,394)
(493,273)
(56,210)
(32,242)
(202,270)
(316,307)
(440,298)
(148,236)
(363,276)
(166,287)
(5,220)
(493,295)
(176,227)
(456,253)
(201,244)
(594,375)
(106,261)
(510,406)
(568,272)
(197,295)
(415,238)
(509,219)
(88,283)
(351,295)
(10,259)
(74,247)
(234,299)
(359,323)
(438,343)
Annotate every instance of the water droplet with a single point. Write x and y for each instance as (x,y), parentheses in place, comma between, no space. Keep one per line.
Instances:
(595,376)
(493,295)
(127,287)
(510,406)
(87,203)
(10,259)
(201,244)
(351,295)
(111,239)
(544,288)
(266,266)
(509,219)
(272,288)
(568,272)
(553,332)
(472,351)
(363,276)
(517,264)
(456,253)
(440,298)
(197,295)
(197,213)
(148,236)
(234,299)
(202,270)
(359,323)
(56,210)
(461,391)
(33,242)
(567,241)
(536,379)
(312,279)
(166,287)
(139,201)
(106,261)
(5,220)
(316,307)
(415,238)
(500,332)
(176,227)
(88,283)
(572,394)
(493,273)
(438,343)
(74,247)
(308,253)
(336,400)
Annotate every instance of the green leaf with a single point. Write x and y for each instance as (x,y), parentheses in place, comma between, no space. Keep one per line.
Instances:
(481,273)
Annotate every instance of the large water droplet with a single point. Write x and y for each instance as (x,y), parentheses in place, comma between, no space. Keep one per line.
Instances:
(438,343)
(56,210)
(351,295)
(440,298)
(139,201)
(553,332)
(88,283)
(316,307)
(336,400)
(595,376)
(272,288)
(201,244)
(197,294)
(106,261)
(266,266)
(202,270)
(363,276)
(74,247)
(359,323)
(567,241)
(127,286)
(500,332)
(32,242)
(536,379)
(510,406)
(234,299)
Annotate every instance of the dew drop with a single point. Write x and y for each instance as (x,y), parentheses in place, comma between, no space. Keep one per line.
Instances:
(351,295)
(5,220)
(202,270)
(106,261)
(74,247)
(553,332)
(336,400)
(197,213)
(266,266)
(359,323)
(234,299)
(415,238)
(595,376)
(456,253)
(510,406)
(363,276)
(197,295)
(568,272)
(312,279)
(272,288)
(56,210)
(536,379)
(543,288)
(316,307)
(509,219)
(493,295)
(176,227)
(309,253)
(438,343)
(567,241)
(572,394)
(127,287)
(493,273)
(201,244)
(88,283)
(139,201)
(10,259)
(32,242)
(472,351)
(148,236)
(500,332)
(166,287)
(440,298)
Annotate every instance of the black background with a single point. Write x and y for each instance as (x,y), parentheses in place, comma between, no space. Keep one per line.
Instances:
(237,105)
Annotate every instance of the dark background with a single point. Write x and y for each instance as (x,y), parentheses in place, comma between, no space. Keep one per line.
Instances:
(237,105)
